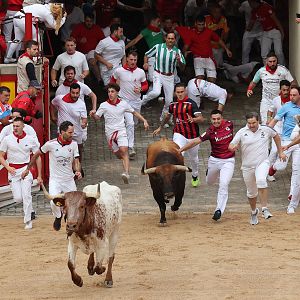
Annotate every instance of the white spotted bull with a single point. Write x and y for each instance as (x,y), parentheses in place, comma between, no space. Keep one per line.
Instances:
(93,218)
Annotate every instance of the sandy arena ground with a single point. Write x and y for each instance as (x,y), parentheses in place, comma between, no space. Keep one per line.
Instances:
(192,258)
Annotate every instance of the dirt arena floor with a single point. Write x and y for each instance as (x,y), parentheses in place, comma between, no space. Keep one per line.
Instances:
(192,258)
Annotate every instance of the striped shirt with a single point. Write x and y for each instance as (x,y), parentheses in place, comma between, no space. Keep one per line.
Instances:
(165,59)
(180,111)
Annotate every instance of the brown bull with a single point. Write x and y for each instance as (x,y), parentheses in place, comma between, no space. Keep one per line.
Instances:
(166,170)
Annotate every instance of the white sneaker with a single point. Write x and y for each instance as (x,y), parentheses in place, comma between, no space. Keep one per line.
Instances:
(166,125)
(271,178)
(254,218)
(132,153)
(267,214)
(9,60)
(125,178)
(290,210)
(28,225)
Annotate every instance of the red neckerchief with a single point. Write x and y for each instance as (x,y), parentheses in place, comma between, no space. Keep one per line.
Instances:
(269,70)
(114,38)
(62,141)
(19,137)
(183,100)
(284,100)
(153,28)
(68,83)
(126,67)
(26,55)
(112,103)
(67,98)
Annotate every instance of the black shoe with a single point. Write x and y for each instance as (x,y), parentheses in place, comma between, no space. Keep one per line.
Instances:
(33,217)
(57,224)
(217,215)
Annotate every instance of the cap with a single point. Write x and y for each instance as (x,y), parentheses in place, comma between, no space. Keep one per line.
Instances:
(35,84)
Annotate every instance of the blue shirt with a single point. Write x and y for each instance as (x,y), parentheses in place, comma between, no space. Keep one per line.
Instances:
(287,112)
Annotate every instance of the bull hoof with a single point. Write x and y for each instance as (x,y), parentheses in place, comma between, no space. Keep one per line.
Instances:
(100,270)
(174,208)
(91,271)
(108,283)
(78,281)
(162,224)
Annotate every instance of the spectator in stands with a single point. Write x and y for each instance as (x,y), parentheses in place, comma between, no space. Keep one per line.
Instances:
(5,108)
(25,66)
(110,52)
(217,23)
(199,41)
(3,10)
(74,16)
(49,14)
(194,8)
(87,36)
(167,26)
(105,11)
(249,36)
(272,29)
(170,8)
(70,57)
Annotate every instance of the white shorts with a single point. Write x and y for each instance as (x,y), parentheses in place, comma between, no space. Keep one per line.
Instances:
(117,139)
(205,64)
(256,178)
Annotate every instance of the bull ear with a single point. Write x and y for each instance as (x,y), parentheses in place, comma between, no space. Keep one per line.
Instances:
(90,201)
(59,202)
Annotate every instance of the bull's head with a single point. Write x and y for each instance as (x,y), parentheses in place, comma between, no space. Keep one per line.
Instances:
(166,174)
(75,205)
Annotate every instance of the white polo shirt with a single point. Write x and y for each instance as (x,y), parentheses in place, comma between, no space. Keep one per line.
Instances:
(207,89)
(18,150)
(112,51)
(271,82)
(128,81)
(77,60)
(61,159)
(254,145)
(114,115)
(84,90)
(7,130)
(72,112)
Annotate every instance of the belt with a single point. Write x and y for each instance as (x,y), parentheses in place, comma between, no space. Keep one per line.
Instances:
(18,166)
(163,73)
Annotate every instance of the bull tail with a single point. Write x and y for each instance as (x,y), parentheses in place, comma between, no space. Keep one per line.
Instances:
(143,168)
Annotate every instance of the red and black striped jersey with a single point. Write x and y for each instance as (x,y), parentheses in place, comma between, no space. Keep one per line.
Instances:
(180,111)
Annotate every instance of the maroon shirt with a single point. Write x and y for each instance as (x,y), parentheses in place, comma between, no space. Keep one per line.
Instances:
(220,139)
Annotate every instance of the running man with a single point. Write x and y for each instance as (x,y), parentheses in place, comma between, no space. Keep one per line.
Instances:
(186,116)
(254,140)
(221,161)
(113,110)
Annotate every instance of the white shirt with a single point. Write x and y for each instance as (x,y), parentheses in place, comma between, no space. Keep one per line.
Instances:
(18,150)
(61,159)
(128,81)
(254,145)
(275,107)
(7,130)
(271,82)
(296,131)
(64,90)
(77,60)
(111,51)
(207,89)
(114,115)
(72,112)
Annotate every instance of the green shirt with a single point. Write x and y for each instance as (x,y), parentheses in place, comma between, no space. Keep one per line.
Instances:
(151,37)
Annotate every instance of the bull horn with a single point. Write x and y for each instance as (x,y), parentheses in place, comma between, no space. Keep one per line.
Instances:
(150,170)
(93,195)
(50,197)
(181,168)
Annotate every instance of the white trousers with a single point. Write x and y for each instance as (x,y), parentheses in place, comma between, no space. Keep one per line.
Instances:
(131,121)
(222,169)
(265,105)
(151,64)
(296,187)
(192,153)
(8,25)
(272,37)
(21,190)
(248,39)
(57,187)
(256,178)
(218,55)
(106,74)
(279,165)
(159,81)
